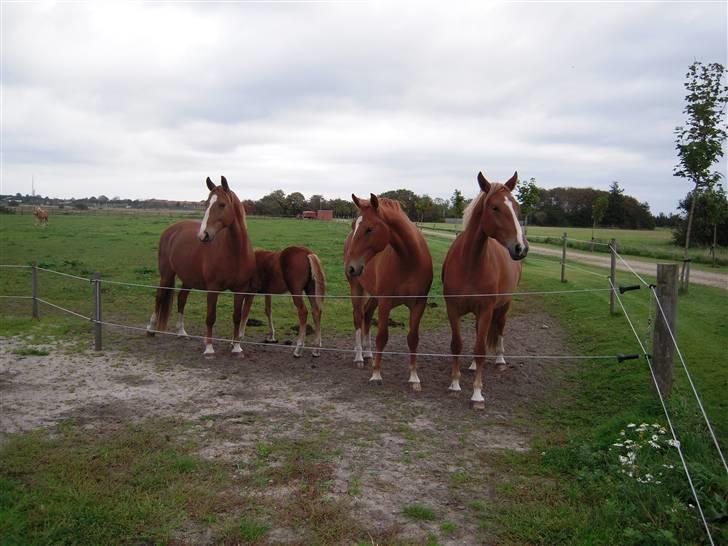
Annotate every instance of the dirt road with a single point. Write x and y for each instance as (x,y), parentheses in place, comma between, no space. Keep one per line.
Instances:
(643,267)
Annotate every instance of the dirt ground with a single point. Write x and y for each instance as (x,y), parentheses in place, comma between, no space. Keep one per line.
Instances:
(396,446)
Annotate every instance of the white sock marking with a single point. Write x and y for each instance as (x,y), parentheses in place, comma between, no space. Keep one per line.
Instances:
(236,348)
(152,322)
(413,377)
(358,357)
(209,350)
(376,376)
(455,385)
(477,396)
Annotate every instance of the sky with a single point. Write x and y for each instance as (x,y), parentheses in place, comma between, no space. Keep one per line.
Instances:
(144,100)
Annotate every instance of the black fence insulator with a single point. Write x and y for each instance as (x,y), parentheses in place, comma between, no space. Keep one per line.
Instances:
(623,289)
(652,286)
(622,358)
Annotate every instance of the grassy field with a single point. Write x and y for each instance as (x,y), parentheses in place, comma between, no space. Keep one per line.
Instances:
(568,489)
(655,243)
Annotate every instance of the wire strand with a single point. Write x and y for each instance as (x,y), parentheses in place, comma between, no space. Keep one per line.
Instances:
(85,279)
(667,414)
(63,309)
(644,282)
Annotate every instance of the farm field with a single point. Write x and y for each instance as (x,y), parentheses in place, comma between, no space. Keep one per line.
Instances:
(656,244)
(151,443)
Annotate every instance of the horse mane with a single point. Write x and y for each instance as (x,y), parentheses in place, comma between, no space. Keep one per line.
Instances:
(478,201)
(390,209)
(239,210)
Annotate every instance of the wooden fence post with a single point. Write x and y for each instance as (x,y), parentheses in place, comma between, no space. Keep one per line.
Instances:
(662,345)
(97,310)
(563,259)
(613,274)
(34,289)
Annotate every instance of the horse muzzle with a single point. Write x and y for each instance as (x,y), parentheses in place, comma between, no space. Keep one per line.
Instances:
(354,269)
(204,237)
(518,251)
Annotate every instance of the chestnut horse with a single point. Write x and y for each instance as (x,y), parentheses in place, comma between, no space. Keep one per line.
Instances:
(295,269)
(484,259)
(215,254)
(387,264)
(41,215)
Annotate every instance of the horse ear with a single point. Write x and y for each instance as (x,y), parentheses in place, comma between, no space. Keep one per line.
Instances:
(374,201)
(210,185)
(484,184)
(356,201)
(512,181)
(224,183)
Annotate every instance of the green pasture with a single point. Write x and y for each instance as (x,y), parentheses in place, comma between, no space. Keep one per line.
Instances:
(569,489)
(656,244)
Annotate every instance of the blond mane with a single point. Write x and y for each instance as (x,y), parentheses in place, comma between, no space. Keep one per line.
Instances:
(481,198)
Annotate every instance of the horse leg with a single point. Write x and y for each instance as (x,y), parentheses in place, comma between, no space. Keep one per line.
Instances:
(413,339)
(473,366)
(271,337)
(500,324)
(237,317)
(356,309)
(316,311)
(181,302)
(385,306)
(210,322)
(366,332)
(247,304)
(477,401)
(456,347)
(302,320)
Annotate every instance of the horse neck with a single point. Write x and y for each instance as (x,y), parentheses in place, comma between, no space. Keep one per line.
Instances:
(475,242)
(400,234)
(239,241)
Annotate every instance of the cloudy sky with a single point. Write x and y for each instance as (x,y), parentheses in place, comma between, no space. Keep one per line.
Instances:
(147,99)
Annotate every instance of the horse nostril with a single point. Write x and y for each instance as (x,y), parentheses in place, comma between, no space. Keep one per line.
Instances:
(519,249)
(351,270)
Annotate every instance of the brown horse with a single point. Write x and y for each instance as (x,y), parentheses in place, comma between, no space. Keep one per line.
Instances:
(295,269)
(215,254)
(483,259)
(387,264)
(41,216)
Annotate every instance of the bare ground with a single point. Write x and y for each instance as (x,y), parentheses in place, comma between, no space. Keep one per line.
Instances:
(391,447)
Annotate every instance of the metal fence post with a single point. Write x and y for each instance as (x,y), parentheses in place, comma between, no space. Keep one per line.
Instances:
(612,274)
(97,310)
(34,290)
(563,259)
(662,346)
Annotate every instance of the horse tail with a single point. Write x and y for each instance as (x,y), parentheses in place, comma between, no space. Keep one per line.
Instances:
(319,279)
(163,305)
(492,339)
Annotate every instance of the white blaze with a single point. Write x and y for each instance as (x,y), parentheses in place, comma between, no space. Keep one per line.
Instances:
(519,232)
(358,222)
(203,226)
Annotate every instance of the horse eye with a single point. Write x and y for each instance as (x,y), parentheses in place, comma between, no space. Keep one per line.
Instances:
(222,205)
(368,230)
(495,209)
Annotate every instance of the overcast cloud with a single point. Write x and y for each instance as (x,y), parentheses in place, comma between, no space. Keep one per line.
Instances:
(146,100)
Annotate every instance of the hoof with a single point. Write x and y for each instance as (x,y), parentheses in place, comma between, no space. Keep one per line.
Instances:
(473,366)
(501,367)
(237,350)
(209,351)
(454,387)
(373,381)
(477,405)
(150,334)
(416,387)
(316,353)
(270,340)
(296,355)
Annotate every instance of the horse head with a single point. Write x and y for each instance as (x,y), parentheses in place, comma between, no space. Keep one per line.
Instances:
(370,236)
(499,216)
(221,210)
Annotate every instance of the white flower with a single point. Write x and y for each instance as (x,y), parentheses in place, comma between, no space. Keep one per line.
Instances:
(631,425)
(674,443)
(654,445)
(654,437)
(618,445)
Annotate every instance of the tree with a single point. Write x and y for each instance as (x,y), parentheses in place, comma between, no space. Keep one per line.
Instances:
(317,202)
(699,142)
(599,209)
(295,203)
(614,215)
(716,213)
(458,203)
(528,196)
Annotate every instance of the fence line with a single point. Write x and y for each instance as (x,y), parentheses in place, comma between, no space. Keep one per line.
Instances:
(586,242)
(690,380)
(667,414)
(644,282)
(330,296)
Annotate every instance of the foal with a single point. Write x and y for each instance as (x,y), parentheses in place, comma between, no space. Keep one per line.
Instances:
(295,269)
(484,259)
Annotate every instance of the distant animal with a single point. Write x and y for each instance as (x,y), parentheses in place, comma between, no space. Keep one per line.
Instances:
(295,269)
(484,259)
(41,216)
(387,264)
(215,254)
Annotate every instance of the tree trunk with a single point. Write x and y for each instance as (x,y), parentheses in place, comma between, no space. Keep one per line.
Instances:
(525,224)
(690,220)
(715,241)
